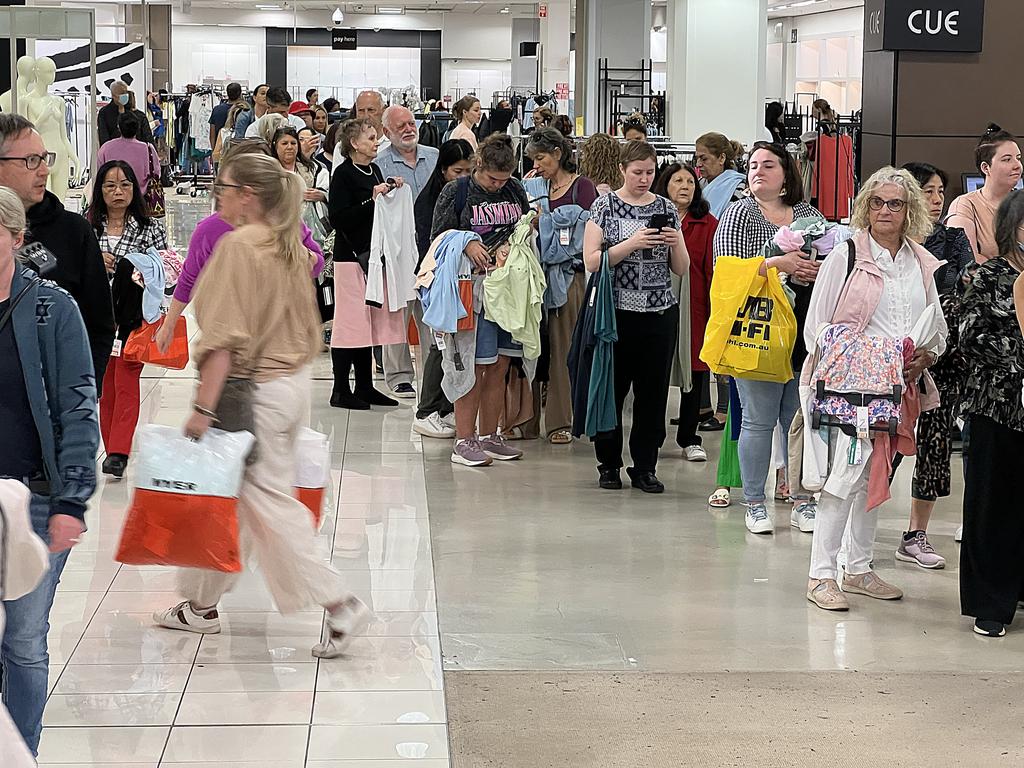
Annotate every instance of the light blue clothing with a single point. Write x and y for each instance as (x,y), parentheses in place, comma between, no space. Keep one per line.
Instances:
(24,657)
(151,266)
(764,404)
(442,306)
(557,259)
(243,121)
(392,164)
(719,193)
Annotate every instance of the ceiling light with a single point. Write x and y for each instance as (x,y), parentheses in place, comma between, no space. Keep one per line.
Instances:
(268,7)
(505,10)
(337,17)
(390,10)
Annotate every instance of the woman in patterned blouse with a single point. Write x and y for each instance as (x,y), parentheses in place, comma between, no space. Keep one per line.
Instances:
(776,200)
(646,310)
(991,569)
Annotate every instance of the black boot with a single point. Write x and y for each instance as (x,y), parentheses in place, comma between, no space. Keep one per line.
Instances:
(362,360)
(115,465)
(610,480)
(342,396)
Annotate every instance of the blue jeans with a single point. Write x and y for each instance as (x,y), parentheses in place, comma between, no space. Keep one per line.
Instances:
(24,658)
(765,404)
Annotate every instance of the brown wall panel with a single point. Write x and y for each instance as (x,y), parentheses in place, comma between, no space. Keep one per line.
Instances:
(878,94)
(954,156)
(875,152)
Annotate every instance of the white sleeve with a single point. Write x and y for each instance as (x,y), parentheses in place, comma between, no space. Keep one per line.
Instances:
(931,293)
(825,296)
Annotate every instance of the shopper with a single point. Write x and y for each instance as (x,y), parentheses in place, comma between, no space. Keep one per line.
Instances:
(325,155)
(270,124)
(259,109)
(48,412)
(467,114)
(357,327)
(890,287)
(776,200)
(303,111)
(991,572)
(122,100)
(142,157)
(493,199)
(333,108)
(207,234)
(542,118)
(278,102)
(219,116)
(680,184)
(822,112)
(369,105)
(404,158)
(934,445)
(123,226)
(313,97)
(287,150)
(320,120)
(634,130)
(80,269)
(646,311)
(435,414)
(599,162)
(552,156)
(309,146)
(563,124)
(998,158)
(256,307)
(774,123)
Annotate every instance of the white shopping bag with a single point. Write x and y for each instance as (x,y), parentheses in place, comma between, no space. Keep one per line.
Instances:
(313,472)
(24,557)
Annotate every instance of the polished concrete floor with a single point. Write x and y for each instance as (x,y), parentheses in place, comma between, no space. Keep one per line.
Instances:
(562,621)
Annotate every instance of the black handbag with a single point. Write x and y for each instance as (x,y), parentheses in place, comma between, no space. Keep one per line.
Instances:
(235,411)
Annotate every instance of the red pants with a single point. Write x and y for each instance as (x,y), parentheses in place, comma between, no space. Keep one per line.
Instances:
(119,405)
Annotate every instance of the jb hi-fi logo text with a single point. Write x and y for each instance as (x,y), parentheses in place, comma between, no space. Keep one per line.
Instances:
(173,485)
(752,329)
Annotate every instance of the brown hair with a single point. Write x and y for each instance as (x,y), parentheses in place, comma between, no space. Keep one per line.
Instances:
(793,186)
(246,147)
(985,152)
(827,113)
(463,105)
(1009,219)
(351,130)
(496,154)
(546,116)
(331,139)
(719,144)
(599,160)
(635,151)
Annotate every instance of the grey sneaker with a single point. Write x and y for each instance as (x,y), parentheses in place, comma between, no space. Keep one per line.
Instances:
(496,447)
(758,519)
(469,453)
(919,550)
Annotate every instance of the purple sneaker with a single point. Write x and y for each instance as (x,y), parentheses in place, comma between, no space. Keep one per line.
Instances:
(920,551)
(469,453)
(496,447)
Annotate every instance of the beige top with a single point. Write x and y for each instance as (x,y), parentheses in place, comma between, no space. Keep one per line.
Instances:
(976,216)
(250,301)
(460,131)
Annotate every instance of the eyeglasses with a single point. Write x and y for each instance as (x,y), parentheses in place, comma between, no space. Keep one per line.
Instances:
(878,203)
(220,186)
(111,186)
(33,161)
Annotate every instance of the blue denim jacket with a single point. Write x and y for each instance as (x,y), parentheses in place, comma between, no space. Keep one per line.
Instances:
(61,386)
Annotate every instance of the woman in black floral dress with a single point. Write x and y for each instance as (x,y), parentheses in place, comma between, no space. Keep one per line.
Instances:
(991,568)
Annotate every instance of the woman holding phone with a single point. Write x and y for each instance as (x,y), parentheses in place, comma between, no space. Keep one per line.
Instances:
(642,259)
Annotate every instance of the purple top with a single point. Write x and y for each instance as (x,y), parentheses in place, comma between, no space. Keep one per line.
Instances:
(200,248)
(134,152)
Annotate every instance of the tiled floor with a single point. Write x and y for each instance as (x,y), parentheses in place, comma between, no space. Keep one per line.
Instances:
(126,693)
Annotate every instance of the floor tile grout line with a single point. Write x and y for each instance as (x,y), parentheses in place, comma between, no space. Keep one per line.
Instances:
(177,710)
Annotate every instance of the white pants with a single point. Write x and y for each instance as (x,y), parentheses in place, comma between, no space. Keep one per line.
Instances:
(274,527)
(831,523)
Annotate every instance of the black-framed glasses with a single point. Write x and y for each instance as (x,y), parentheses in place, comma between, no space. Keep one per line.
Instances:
(878,203)
(220,186)
(34,161)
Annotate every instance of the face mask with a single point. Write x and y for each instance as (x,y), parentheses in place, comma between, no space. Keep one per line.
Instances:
(123,99)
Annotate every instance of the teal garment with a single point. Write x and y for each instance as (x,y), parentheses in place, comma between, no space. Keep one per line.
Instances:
(601,414)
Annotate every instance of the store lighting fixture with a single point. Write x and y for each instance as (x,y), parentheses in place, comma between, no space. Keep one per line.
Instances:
(390,10)
(268,7)
(337,17)
(506,9)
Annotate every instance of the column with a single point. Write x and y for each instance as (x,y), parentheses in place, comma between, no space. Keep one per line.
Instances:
(619,30)
(716,68)
(554,49)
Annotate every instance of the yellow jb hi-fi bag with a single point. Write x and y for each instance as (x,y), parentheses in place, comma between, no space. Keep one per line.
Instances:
(752,328)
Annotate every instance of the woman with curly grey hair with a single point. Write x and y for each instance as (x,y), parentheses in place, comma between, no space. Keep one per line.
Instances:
(890,287)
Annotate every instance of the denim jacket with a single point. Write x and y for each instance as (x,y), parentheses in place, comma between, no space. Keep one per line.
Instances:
(61,388)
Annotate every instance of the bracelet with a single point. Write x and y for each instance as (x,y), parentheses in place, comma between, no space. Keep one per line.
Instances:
(205,412)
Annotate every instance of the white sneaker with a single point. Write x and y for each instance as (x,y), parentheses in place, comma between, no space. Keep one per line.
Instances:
(449,420)
(959,535)
(758,519)
(803,515)
(433,426)
(181,616)
(694,453)
(343,626)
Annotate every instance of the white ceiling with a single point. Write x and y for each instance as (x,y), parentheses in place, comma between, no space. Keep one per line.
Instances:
(782,8)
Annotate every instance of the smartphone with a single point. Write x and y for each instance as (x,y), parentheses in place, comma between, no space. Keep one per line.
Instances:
(660,221)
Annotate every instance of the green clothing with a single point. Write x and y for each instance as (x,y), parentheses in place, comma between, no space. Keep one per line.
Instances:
(601,412)
(514,293)
(729,458)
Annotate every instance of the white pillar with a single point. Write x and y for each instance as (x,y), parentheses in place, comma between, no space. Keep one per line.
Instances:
(716,68)
(554,50)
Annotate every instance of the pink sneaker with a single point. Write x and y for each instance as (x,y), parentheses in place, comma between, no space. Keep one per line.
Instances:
(919,550)
(496,447)
(469,453)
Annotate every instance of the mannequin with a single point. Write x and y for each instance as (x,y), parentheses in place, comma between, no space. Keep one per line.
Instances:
(26,79)
(47,113)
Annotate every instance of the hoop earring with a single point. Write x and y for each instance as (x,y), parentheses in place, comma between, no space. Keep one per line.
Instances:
(783,192)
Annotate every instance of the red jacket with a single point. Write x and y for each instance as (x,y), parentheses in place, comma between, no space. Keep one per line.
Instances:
(698,234)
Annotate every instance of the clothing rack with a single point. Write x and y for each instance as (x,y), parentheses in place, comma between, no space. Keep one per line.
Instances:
(617,86)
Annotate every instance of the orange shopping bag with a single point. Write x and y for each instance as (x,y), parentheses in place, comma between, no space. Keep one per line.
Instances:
(184,506)
(413,333)
(141,347)
(467,323)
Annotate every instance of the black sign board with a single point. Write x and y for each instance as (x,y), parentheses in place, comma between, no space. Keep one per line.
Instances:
(343,39)
(942,26)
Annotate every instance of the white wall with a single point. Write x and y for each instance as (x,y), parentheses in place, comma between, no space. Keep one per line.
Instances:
(480,76)
(475,37)
(223,53)
(829,24)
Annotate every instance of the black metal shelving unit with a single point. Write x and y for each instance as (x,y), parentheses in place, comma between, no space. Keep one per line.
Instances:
(625,90)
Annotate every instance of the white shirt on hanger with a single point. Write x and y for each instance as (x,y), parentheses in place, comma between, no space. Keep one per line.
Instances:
(393,241)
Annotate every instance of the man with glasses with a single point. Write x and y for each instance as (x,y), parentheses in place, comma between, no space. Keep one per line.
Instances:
(24,167)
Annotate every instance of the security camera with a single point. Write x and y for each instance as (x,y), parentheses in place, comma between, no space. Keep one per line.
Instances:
(337,17)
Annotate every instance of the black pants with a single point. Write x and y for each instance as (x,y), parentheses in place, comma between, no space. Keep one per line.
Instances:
(432,399)
(344,360)
(643,363)
(689,410)
(991,568)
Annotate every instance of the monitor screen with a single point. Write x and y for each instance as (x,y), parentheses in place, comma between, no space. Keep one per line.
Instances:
(975,181)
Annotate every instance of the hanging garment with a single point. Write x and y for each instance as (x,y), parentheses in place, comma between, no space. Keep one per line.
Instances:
(428,134)
(591,358)
(560,241)
(200,111)
(393,253)
(514,292)
(834,185)
(443,267)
